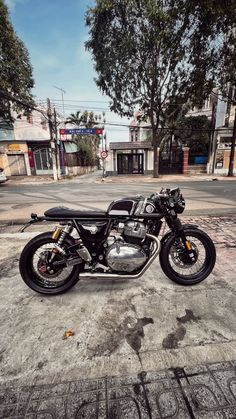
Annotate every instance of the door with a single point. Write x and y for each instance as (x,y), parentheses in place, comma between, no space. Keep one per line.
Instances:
(17,164)
(130,164)
(43,161)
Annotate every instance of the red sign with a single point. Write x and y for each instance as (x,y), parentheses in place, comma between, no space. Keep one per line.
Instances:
(104,154)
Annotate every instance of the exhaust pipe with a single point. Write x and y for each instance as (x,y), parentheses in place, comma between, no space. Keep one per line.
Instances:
(98,275)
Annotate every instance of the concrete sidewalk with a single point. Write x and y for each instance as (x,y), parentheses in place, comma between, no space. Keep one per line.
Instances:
(144,348)
(96,177)
(165,178)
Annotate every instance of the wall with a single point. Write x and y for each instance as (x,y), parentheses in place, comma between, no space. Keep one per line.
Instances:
(80,170)
(222,159)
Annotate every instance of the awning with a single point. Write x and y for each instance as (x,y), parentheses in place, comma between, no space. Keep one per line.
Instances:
(70,147)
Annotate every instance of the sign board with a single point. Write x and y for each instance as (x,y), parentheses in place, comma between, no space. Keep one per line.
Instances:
(104,154)
(224,146)
(77,131)
(14,147)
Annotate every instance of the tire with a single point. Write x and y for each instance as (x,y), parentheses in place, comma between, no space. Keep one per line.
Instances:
(209,261)
(33,278)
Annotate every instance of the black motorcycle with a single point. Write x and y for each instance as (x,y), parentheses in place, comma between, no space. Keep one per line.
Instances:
(121,242)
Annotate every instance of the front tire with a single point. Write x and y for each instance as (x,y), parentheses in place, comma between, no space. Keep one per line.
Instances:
(173,258)
(31,261)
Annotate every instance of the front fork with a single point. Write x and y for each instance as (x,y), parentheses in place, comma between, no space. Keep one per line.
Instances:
(179,231)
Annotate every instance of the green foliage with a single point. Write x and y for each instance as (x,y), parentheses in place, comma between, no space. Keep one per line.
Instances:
(16,80)
(194,132)
(85,119)
(160,55)
(86,155)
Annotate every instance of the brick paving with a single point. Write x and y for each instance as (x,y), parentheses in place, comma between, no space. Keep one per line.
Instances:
(207,391)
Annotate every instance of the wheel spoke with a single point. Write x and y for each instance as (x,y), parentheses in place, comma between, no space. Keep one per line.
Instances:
(180,263)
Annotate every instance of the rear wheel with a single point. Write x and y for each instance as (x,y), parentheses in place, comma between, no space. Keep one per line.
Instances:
(176,263)
(37,270)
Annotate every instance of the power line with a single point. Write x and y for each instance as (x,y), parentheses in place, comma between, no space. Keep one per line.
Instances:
(76,100)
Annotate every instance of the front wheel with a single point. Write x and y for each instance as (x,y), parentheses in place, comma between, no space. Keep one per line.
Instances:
(179,267)
(36,270)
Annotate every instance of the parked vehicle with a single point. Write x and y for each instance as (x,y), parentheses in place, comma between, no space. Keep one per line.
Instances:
(3,177)
(121,242)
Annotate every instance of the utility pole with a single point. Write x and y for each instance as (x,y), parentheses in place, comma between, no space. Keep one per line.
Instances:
(212,145)
(52,139)
(232,150)
(57,145)
(62,98)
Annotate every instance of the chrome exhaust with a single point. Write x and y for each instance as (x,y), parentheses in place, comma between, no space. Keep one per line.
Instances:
(108,275)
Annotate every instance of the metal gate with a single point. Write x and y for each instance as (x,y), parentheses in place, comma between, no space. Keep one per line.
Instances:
(130,164)
(43,161)
(16,164)
(171,160)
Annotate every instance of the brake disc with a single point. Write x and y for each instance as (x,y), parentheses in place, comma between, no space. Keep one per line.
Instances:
(179,256)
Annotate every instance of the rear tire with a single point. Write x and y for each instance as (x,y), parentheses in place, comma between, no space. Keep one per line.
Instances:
(33,279)
(194,278)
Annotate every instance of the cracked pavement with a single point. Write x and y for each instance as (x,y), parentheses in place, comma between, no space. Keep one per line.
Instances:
(141,348)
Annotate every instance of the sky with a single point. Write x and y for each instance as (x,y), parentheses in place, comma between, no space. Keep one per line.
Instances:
(54,33)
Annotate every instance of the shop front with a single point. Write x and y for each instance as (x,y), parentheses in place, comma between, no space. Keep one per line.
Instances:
(14,158)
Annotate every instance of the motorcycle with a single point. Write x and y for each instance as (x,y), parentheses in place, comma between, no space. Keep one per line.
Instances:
(119,243)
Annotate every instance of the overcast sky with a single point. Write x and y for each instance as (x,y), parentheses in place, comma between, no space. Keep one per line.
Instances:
(54,33)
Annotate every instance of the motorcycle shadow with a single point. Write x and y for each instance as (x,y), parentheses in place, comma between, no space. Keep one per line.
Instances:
(104,285)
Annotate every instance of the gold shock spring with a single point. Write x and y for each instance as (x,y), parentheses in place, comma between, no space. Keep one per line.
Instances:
(56,233)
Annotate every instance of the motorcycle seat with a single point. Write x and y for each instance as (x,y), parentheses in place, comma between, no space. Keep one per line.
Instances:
(63,212)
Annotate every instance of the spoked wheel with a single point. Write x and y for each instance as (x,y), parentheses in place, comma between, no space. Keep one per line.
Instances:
(188,268)
(38,271)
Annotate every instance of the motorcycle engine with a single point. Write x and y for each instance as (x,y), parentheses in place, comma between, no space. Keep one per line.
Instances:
(125,255)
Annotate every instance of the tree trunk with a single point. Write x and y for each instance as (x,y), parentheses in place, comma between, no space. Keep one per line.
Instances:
(155,161)
(155,142)
(232,150)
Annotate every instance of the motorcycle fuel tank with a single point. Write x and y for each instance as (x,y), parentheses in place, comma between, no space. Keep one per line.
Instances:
(124,206)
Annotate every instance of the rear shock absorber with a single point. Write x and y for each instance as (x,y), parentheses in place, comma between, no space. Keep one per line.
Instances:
(66,230)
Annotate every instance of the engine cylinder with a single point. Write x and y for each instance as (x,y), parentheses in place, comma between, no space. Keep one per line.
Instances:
(125,257)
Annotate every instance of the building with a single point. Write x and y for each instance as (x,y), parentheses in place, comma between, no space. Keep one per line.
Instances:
(222,137)
(25,146)
(136,155)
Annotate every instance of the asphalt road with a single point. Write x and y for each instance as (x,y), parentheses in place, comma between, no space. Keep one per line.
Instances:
(203,197)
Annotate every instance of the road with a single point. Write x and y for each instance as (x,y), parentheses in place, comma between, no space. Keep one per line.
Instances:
(202,197)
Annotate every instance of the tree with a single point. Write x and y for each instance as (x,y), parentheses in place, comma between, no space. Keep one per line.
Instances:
(157,55)
(16,80)
(87,144)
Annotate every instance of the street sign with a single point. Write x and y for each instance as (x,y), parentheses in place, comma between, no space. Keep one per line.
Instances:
(104,154)
(94,131)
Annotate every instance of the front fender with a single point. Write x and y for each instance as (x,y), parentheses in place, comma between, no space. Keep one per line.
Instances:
(173,233)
